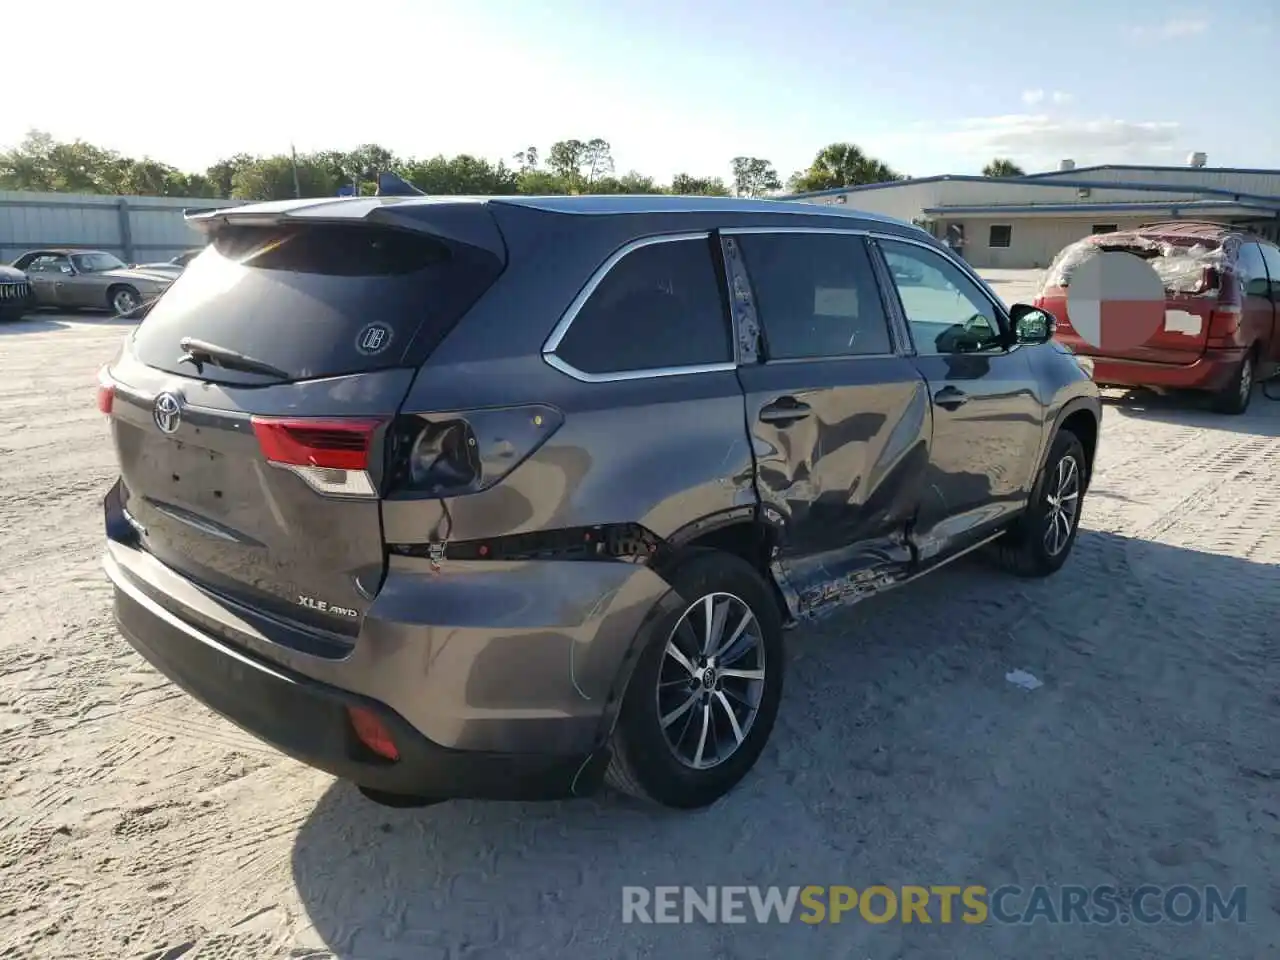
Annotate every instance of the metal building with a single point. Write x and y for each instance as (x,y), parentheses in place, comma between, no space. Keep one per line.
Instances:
(136,229)
(1022,222)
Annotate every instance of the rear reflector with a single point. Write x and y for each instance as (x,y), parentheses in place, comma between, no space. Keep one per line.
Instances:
(372,733)
(332,456)
(106,392)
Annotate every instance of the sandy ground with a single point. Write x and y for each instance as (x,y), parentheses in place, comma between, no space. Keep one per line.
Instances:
(134,823)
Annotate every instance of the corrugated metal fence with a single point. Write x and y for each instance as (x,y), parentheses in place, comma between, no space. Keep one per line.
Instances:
(136,229)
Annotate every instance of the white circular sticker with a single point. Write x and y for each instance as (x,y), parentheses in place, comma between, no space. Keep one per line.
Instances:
(374,338)
(1116,301)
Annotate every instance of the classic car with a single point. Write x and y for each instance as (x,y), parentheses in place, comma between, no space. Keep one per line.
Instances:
(93,279)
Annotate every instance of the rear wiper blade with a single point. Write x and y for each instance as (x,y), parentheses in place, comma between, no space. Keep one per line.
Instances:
(201,352)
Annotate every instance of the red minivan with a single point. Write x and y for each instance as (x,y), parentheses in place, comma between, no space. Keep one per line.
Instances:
(1226,277)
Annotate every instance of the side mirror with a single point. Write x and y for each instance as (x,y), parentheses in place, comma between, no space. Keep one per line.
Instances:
(1031,324)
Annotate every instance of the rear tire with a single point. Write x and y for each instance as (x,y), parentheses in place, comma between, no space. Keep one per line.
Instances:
(124,301)
(720,708)
(1233,399)
(1040,542)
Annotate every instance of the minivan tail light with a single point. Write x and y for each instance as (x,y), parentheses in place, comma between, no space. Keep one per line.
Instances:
(331,456)
(106,392)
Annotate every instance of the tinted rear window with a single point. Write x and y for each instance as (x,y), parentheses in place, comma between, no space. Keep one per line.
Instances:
(316,300)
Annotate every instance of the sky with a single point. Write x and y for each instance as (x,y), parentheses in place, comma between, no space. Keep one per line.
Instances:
(927,86)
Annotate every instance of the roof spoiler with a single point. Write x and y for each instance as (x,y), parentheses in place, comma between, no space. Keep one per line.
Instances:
(457,220)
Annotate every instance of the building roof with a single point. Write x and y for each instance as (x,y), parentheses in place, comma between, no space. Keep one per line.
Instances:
(1204,206)
(1066,183)
(1141,166)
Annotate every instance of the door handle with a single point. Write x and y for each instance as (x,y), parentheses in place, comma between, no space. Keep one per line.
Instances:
(784,410)
(949,398)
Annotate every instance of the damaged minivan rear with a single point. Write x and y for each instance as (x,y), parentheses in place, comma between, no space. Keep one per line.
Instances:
(1219,314)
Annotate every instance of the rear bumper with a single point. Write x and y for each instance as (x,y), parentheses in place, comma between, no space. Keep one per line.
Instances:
(1211,372)
(308,720)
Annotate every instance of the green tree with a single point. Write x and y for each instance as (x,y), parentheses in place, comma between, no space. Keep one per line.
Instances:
(271,178)
(460,175)
(841,165)
(687,185)
(527,159)
(597,157)
(543,183)
(222,173)
(1003,167)
(753,177)
(630,182)
(565,159)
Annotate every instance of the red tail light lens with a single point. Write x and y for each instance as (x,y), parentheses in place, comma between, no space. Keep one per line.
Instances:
(106,392)
(332,456)
(337,444)
(371,731)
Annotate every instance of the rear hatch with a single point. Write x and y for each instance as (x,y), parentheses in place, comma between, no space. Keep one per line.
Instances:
(1196,287)
(250,408)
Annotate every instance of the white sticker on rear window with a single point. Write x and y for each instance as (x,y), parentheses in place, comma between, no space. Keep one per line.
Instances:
(374,338)
(1180,321)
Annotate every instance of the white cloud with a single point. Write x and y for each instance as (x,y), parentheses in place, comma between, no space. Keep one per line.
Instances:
(1032,97)
(1037,141)
(1059,97)
(1171,29)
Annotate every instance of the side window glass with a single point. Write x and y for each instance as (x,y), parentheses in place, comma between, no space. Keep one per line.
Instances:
(1271,256)
(947,311)
(1252,270)
(658,307)
(42,265)
(816,295)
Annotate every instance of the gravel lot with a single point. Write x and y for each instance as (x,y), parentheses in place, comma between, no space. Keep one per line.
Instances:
(134,823)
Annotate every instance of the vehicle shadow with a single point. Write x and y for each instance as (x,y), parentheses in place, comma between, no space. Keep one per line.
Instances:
(1192,409)
(902,755)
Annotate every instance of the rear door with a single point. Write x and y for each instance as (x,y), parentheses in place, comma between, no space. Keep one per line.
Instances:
(987,416)
(259,478)
(1257,314)
(1271,257)
(840,417)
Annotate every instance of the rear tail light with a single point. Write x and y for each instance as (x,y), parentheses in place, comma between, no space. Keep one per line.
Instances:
(331,456)
(372,732)
(454,454)
(106,392)
(1224,321)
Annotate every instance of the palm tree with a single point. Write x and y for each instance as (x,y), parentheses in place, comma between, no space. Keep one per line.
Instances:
(1003,167)
(841,165)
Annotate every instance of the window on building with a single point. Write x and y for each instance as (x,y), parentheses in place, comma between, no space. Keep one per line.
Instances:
(1001,235)
(1103,228)
(816,294)
(658,307)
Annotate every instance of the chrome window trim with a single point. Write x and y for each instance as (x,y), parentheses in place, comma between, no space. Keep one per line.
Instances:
(558,333)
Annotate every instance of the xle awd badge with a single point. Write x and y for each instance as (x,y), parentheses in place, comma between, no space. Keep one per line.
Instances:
(167,413)
(322,607)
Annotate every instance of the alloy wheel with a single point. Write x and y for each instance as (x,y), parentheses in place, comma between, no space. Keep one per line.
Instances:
(711,680)
(1063,500)
(124,302)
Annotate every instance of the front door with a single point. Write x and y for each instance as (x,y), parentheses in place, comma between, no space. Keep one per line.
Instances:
(987,416)
(839,418)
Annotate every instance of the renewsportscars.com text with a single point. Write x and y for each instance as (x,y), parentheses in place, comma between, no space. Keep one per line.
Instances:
(946,904)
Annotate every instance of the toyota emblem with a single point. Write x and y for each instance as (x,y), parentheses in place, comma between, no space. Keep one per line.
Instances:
(167,413)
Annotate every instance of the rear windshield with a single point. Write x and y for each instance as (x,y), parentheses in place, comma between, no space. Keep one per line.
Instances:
(1183,264)
(315,300)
